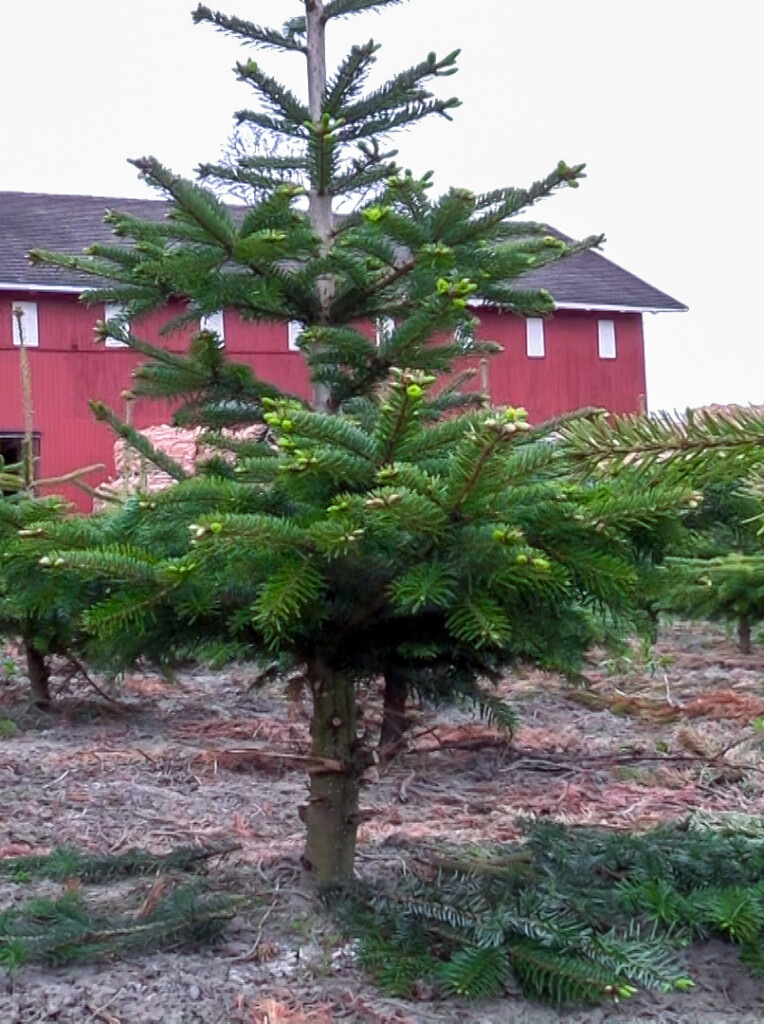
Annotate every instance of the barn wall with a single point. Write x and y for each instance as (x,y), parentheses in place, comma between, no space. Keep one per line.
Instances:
(570,375)
(69,369)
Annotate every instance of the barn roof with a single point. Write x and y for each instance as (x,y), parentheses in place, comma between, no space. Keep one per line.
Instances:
(67,223)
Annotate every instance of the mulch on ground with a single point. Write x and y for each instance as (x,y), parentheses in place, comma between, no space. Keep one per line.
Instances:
(209,758)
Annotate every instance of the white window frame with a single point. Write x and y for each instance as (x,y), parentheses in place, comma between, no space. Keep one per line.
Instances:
(606,342)
(295,330)
(384,327)
(535,340)
(215,323)
(465,336)
(29,325)
(111,310)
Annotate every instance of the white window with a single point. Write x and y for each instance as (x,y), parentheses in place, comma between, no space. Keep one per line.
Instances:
(464,336)
(606,332)
(215,323)
(534,337)
(115,311)
(295,330)
(24,319)
(385,327)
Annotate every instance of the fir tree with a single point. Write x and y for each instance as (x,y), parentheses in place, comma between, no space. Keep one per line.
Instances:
(383,529)
(398,260)
(726,588)
(33,609)
(721,576)
(39,613)
(718,571)
(365,543)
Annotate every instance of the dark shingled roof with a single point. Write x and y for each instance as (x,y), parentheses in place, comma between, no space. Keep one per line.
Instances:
(588,279)
(67,224)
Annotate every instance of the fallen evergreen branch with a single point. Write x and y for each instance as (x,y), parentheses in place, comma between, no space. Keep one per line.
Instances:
(573,915)
(67,862)
(65,930)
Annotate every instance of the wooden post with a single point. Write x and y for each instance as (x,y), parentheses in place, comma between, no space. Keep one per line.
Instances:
(27,457)
(485,382)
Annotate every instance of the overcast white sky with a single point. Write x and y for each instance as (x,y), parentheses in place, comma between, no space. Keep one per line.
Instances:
(661,98)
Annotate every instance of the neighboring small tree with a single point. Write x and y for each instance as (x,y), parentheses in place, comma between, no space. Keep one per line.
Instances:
(717,571)
(37,611)
(723,577)
(41,614)
(727,588)
(33,610)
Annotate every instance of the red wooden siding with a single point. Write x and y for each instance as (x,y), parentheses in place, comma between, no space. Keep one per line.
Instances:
(69,369)
(571,374)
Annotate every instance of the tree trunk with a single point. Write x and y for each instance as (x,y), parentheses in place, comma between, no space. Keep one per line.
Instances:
(39,676)
(744,635)
(320,197)
(394,723)
(332,812)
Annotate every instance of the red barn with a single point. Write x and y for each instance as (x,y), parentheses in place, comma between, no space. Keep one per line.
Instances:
(589,353)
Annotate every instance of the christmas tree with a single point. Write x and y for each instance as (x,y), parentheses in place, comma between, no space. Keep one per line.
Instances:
(721,575)
(385,528)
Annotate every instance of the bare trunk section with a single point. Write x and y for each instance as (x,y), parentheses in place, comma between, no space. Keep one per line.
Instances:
(394,723)
(320,198)
(39,676)
(316,33)
(332,812)
(744,635)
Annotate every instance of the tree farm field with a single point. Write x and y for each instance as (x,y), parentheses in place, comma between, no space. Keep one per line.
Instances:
(210,760)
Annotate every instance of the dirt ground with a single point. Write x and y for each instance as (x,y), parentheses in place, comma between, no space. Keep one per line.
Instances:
(653,736)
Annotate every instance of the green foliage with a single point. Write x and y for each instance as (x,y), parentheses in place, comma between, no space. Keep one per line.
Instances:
(726,517)
(66,930)
(478,972)
(42,611)
(721,575)
(8,728)
(575,915)
(9,667)
(722,445)
(67,862)
(373,535)
(730,587)
(715,571)
(495,711)
(11,477)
